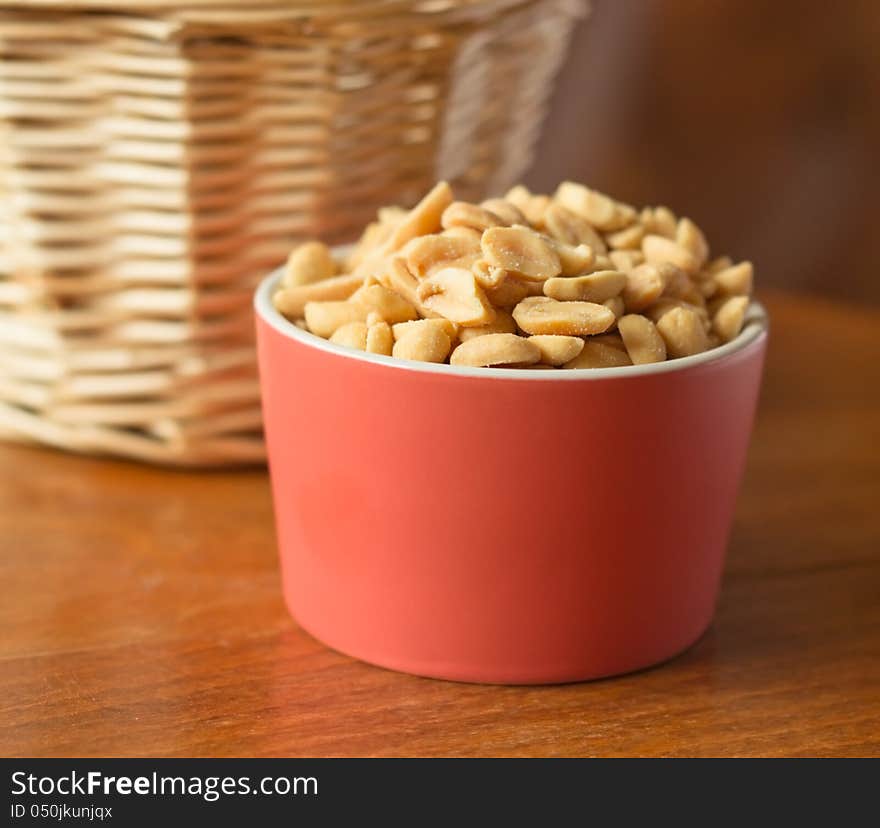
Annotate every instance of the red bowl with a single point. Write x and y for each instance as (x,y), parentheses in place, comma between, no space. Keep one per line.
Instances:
(500,525)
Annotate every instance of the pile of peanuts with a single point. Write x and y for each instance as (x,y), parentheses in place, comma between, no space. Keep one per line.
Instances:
(572,280)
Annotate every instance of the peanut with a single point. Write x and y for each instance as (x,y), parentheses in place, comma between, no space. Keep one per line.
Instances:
(602,212)
(391,306)
(691,238)
(735,280)
(324,318)
(427,343)
(683,332)
(570,228)
(401,329)
(557,350)
(626,260)
(521,251)
(599,355)
(727,321)
(502,323)
(644,285)
(465,214)
(718,264)
(664,305)
(463,233)
(533,207)
(573,260)
(454,293)
(628,239)
(616,305)
(660,221)
(380,339)
(659,250)
(352,335)
(487,276)
(594,287)
(496,349)
(308,263)
(543,315)
(642,340)
(509,293)
(291,301)
(506,210)
(427,254)
(422,219)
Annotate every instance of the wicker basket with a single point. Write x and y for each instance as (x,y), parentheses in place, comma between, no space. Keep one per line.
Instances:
(157,158)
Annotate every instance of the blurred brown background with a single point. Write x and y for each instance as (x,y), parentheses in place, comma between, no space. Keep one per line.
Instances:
(760,120)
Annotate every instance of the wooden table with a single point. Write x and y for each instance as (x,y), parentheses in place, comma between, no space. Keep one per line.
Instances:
(141,612)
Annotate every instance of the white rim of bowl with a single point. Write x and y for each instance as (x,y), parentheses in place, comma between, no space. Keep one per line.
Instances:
(755,326)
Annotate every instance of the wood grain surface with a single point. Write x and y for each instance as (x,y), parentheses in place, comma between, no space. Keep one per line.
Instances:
(141,613)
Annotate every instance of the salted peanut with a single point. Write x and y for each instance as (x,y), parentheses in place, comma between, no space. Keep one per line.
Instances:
(592,287)
(352,335)
(428,254)
(691,238)
(683,332)
(602,212)
(374,236)
(617,307)
(641,338)
(692,294)
(310,262)
(496,349)
(454,293)
(488,277)
(573,260)
(389,304)
(630,238)
(660,221)
(660,250)
(396,275)
(570,228)
(291,302)
(502,323)
(707,288)
(401,329)
(676,281)
(625,260)
(521,251)
(665,304)
(644,286)
(611,338)
(557,350)
(465,214)
(301,324)
(509,293)
(538,366)
(717,264)
(428,343)
(533,207)
(727,321)
(599,354)
(463,233)
(325,318)
(424,218)
(506,210)
(543,315)
(379,340)
(735,280)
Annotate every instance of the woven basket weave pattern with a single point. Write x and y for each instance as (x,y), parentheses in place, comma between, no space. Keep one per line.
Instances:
(154,165)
